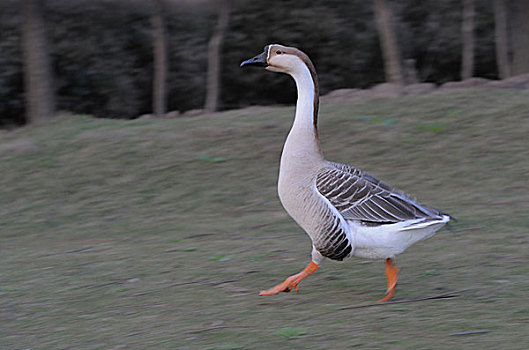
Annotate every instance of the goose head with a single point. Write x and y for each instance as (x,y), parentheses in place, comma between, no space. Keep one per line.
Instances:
(282,59)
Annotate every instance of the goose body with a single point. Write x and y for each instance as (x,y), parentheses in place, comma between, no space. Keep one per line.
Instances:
(345,211)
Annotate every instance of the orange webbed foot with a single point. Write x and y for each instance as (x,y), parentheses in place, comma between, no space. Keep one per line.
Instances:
(285,286)
(389,295)
(292,281)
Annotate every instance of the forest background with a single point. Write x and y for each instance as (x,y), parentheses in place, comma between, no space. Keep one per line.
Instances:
(100,57)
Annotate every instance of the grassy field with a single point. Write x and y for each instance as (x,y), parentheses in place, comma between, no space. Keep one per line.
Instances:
(158,234)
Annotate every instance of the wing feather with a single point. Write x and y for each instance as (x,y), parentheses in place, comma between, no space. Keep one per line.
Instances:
(359,196)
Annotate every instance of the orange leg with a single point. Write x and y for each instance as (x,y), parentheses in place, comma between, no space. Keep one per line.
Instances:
(292,281)
(391,272)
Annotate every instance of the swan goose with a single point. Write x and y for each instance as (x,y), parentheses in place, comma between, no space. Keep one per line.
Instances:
(345,211)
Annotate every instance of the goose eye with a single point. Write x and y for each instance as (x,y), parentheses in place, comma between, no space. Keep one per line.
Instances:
(278,52)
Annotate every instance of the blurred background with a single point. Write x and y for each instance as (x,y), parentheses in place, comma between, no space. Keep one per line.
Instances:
(125,59)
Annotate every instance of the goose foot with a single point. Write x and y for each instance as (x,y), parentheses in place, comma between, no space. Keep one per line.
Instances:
(391,272)
(292,281)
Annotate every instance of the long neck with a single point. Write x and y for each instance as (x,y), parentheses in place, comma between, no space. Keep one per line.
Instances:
(303,137)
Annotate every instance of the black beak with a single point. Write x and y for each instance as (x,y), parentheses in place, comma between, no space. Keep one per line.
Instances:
(259,60)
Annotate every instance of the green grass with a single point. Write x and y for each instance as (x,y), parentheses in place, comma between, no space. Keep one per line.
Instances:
(158,234)
(291,332)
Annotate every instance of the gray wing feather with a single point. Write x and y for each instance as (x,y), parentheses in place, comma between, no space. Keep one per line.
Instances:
(359,196)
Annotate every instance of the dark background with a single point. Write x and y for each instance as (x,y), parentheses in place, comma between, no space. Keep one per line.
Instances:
(102,60)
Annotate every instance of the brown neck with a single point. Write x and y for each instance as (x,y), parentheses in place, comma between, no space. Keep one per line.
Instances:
(314,76)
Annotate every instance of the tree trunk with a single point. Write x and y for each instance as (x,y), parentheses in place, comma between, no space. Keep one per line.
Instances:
(159,90)
(213,88)
(520,37)
(467,29)
(388,42)
(40,95)
(502,45)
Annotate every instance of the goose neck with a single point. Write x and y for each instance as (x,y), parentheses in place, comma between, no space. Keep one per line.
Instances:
(308,97)
(304,133)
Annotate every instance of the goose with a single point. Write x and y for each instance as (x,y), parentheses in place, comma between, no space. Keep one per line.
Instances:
(346,211)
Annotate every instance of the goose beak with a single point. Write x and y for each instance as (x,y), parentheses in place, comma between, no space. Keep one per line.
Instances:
(259,60)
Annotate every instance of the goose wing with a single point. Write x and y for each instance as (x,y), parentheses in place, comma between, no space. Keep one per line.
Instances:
(359,196)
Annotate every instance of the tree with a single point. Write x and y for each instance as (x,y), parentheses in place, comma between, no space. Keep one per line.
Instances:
(467,29)
(502,45)
(388,42)
(213,87)
(159,90)
(40,95)
(520,37)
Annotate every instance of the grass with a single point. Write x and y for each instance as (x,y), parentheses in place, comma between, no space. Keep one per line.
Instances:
(159,233)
